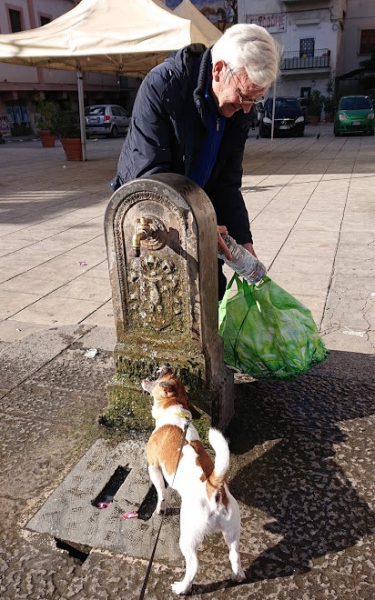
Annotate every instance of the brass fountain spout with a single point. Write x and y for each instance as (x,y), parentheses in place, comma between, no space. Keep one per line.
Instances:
(143,230)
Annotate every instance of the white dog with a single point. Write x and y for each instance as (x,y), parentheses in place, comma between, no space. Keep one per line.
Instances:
(207,505)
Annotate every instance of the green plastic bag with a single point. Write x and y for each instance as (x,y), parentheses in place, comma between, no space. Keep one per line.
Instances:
(267,332)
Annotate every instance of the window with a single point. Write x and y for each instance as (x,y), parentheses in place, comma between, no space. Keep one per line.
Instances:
(305,92)
(355,103)
(367,41)
(15,20)
(44,20)
(285,103)
(95,110)
(306,48)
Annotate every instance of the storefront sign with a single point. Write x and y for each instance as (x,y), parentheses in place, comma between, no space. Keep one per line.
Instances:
(273,23)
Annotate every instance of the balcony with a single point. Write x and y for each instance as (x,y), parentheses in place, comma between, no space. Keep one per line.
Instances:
(304,2)
(292,61)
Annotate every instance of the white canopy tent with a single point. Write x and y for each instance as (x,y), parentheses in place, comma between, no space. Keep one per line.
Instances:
(107,36)
(122,37)
(187,10)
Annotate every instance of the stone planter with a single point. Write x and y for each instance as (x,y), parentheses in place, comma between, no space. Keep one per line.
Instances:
(48,140)
(314,120)
(72,147)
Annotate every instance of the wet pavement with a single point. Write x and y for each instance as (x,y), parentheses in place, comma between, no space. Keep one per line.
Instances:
(302,452)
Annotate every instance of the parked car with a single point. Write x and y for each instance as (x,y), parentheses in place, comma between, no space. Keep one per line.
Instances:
(106,119)
(355,114)
(288,119)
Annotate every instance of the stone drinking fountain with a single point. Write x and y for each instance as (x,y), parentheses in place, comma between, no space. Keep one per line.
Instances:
(162,252)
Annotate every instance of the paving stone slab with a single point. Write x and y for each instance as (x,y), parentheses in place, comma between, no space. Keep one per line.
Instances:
(36,453)
(21,359)
(75,371)
(34,570)
(53,405)
(100,337)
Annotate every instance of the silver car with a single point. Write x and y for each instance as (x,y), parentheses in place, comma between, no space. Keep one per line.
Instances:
(106,119)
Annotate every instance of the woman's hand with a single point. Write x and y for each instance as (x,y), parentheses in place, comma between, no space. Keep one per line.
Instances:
(221,229)
(250,248)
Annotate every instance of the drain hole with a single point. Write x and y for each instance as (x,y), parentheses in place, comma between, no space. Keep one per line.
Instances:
(108,492)
(78,551)
(148,505)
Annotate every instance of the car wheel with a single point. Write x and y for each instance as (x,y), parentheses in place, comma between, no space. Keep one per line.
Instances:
(336,133)
(301,134)
(371,132)
(114,132)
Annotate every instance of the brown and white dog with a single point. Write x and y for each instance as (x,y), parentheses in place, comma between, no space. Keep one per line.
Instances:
(207,505)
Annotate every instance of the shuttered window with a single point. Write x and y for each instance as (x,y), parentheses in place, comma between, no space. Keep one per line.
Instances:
(15,20)
(367,41)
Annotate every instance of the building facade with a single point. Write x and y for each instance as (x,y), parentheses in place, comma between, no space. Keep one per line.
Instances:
(19,85)
(310,33)
(358,47)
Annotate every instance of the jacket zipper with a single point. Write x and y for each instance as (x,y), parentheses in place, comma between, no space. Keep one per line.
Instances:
(213,148)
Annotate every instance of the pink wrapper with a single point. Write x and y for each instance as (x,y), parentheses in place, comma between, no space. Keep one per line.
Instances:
(130,515)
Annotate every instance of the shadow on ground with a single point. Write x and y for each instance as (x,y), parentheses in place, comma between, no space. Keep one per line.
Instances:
(320,424)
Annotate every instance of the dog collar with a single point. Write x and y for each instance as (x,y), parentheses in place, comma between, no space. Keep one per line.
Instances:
(179,414)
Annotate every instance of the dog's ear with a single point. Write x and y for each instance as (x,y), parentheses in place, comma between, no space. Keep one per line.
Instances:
(168,387)
(164,370)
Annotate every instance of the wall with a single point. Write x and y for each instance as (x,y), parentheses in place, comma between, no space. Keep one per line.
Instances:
(31,10)
(360,15)
(319,20)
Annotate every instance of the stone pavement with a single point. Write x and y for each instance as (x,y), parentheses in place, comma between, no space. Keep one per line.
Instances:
(302,452)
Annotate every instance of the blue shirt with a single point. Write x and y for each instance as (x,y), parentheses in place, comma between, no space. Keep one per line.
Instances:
(202,168)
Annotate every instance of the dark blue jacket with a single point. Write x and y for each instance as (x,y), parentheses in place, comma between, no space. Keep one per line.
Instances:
(167,132)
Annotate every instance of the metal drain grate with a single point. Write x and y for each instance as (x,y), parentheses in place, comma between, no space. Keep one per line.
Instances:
(71,516)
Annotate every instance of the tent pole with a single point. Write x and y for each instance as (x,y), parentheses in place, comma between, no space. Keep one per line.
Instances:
(81,108)
(273,111)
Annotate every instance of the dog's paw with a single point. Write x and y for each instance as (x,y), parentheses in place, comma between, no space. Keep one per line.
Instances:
(239,576)
(179,587)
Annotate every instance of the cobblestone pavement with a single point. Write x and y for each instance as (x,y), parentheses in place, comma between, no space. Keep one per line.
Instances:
(302,452)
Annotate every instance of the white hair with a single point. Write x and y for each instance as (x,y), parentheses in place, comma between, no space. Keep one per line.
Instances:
(249,47)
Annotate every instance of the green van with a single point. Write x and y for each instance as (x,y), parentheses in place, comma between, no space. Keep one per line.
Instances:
(354,114)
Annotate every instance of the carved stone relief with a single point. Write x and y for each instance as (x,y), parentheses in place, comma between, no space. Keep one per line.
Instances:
(156,294)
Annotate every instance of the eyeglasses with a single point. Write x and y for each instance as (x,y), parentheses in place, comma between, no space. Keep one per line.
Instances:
(248,102)
(243,101)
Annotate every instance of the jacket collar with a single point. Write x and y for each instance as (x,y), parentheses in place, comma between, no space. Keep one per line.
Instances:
(199,92)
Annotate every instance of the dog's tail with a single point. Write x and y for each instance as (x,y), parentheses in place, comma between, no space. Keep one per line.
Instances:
(220,445)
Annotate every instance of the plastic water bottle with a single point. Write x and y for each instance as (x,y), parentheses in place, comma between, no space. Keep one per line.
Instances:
(243,262)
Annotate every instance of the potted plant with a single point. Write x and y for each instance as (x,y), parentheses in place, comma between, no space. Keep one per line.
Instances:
(65,125)
(316,102)
(43,121)
(330,103)
(329,108)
